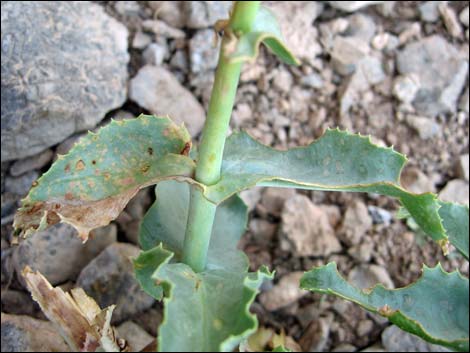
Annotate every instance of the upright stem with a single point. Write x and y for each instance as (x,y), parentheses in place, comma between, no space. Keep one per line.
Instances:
(202,212)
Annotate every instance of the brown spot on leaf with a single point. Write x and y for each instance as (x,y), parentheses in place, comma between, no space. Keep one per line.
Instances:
(52,218)
(93,162)
(68,196)
(145,168)
(34,184)
(80,165)
(35,208)
(107,176)
(67,168)
(186,148)
(150,150)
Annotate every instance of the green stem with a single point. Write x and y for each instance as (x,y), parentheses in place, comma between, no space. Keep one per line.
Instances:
(211,148)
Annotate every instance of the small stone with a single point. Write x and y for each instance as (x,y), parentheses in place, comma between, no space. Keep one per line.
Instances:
(441,70)
(396,340)
(346,53)
(241,113)
(464,16)
(405,87)
(364,327)
(456,190)
(374,348)
(379,215)
(127,8)
(301,38)
(284,293)
(35,162)
(180,61)
(315,337)
(136,337)
(18,303)
(307,228)
(312,80)
(58,253)
(380,41)
(461,167)
(155,54)
(170,12)
(157,90)
(203,55)
(251,197)
(273,199)
(424,126)
(410,33)
(203,14)
(356,223)
(141,40)
(282,80)
(110,279)
(463,104)
(344,347)
(351,6)
(428,11)
(25,334)
(160,28)
(366,276)
(416,181)
(361,26)
(262,230)
(362,252)
(22,184)
(450,20)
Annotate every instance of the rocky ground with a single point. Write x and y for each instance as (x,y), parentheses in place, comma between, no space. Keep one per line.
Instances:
(396,70)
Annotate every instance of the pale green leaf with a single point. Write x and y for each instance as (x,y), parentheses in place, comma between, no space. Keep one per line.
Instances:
(455,221)
(90,186)
(165,222)
(207,311)
(265,30)
(338,161)
(435,307)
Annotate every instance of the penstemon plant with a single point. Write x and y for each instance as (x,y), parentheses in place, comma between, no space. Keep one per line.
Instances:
(189,236)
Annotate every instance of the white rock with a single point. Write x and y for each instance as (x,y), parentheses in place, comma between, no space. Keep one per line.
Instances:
(356,222)
(284,293)
(203,55)
(155,54)
(307,228)
(347,52)
(456,190)
(157,90)
(273,199)
(251,197)
(462,167)
(450,20)
(424,126)
(162,29)
(141,40)
(405,87)
(464,16)
(429,11)
(416,181)
(351,6)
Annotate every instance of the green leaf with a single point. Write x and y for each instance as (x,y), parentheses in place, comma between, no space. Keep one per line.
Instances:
(90,186)
(338,161)
(455,220)
(440,318)
(165,222)
(211,308)
(265,30)
(281,349)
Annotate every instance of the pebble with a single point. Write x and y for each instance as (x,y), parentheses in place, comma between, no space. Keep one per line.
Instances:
(273,199)
(136,337)
(109,279)
(203,14)
(22,184)
(451,21)
(141,40)
(456,190)
(24,334)
(351,6)
(428,11)
(396,340)
(461,167)
(58,253)
(356,223)
(203,55)
(463,16)
(425,127)
(315,337)
(155,54)
(379,215)
(406,87)
(157,90)
(307,229)
(284,293)
(312,80)
(414,180)
(35,162)
(160,28)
